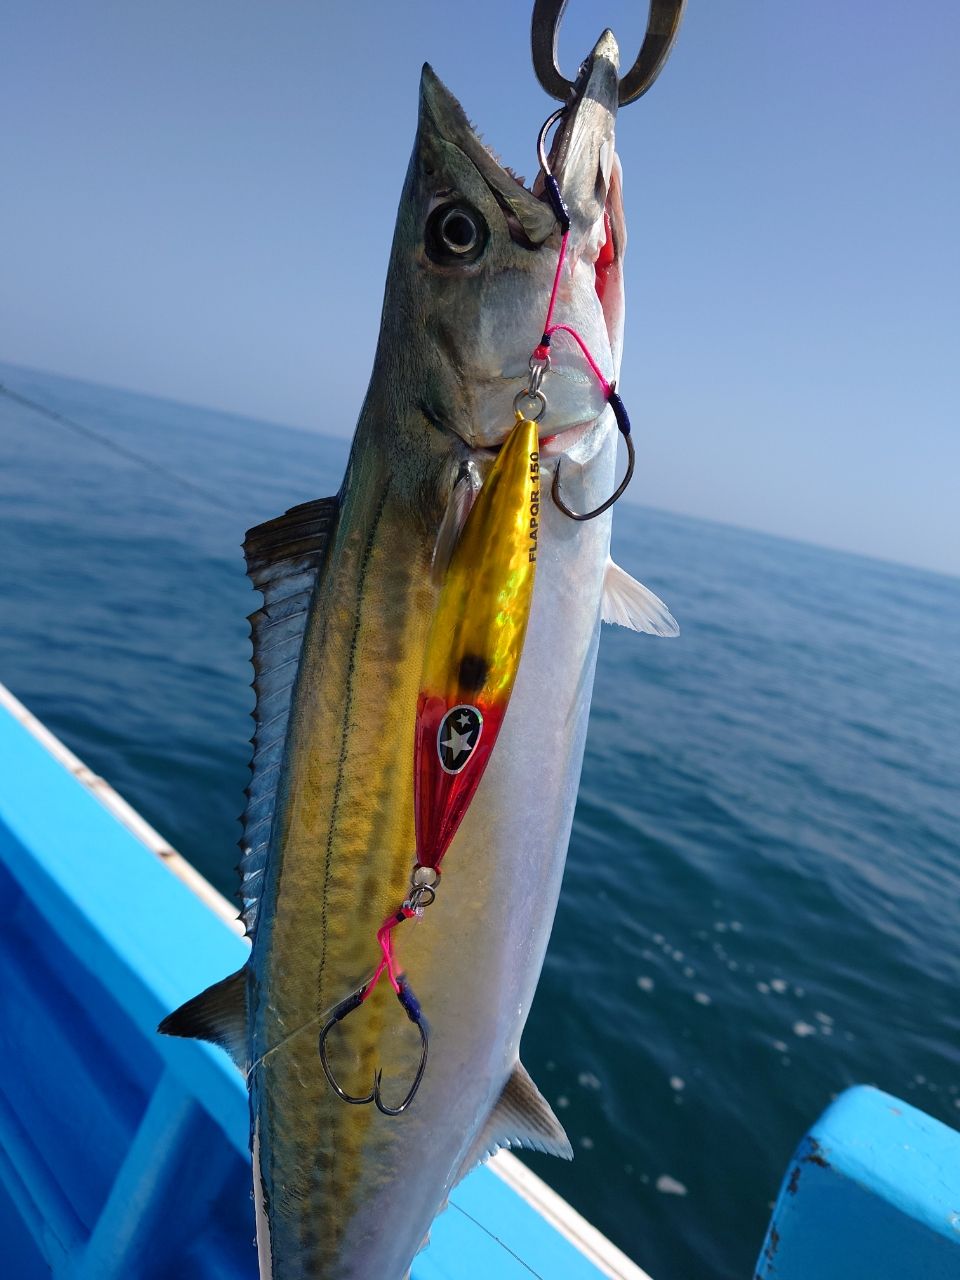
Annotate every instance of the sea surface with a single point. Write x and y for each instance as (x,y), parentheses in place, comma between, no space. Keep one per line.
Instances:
(762,898)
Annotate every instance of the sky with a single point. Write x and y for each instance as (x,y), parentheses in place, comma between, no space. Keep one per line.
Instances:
(197,202)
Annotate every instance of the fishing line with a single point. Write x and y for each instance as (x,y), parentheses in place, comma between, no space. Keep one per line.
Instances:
(121,450)
(274,1048)
(486,1230)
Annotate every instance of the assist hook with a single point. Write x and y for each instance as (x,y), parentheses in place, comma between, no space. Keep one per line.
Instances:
(662,26)
(623,425)
(411,1006)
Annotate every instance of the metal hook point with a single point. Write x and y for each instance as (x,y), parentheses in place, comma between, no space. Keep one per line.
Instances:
(412,1009)
(411,1092)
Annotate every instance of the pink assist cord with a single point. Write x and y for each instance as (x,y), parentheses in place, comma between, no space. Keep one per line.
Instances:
(542,351)
(388,961)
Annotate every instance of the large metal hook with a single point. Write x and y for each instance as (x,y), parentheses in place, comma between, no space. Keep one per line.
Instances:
(662,26)
(623,424)
(411,1007)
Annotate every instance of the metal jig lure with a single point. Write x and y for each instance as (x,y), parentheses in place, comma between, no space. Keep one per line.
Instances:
(475,642)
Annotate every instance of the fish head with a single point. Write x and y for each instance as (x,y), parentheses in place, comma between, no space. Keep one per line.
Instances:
(473,263)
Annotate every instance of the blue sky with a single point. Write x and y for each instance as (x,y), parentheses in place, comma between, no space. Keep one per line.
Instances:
(198,201)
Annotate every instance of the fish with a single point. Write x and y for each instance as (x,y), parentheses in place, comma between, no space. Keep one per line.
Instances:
(350,585)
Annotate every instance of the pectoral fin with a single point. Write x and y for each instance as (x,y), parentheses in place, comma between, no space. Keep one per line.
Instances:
(628,603)
(461,500)
(522,1117)
(218,1014)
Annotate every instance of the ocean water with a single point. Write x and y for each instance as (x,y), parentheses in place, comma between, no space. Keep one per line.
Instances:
(762,899)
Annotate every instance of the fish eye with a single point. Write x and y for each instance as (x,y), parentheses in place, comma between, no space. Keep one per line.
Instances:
(455,233)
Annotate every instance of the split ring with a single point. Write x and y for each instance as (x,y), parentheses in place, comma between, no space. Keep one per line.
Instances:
(527,395)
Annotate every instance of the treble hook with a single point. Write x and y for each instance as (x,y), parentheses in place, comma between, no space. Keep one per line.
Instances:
(662,26)
(623,425)
(411,1006)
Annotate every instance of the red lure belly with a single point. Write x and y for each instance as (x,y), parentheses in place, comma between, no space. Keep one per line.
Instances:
(443,795)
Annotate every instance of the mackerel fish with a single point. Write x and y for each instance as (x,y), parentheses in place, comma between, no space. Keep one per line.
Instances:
(349,587)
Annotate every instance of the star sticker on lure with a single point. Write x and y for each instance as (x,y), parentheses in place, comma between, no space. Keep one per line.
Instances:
(457,742)
(457,737)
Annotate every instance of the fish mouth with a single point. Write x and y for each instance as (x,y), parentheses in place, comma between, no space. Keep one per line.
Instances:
(582,158)
(582,151)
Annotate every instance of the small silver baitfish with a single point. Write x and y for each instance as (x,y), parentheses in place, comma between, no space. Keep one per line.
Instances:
(350,585)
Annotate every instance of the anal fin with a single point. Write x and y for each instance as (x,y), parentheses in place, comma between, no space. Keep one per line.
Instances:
(522,1117)
(628,603)
(218,1014)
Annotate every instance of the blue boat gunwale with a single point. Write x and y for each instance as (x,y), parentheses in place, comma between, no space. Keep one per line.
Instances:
(874,1180)
(70,881)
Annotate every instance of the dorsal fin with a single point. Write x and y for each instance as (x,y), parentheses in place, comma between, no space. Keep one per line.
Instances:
(283,559)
